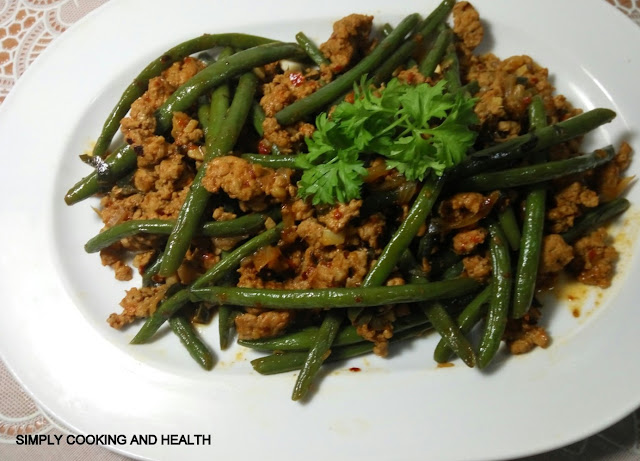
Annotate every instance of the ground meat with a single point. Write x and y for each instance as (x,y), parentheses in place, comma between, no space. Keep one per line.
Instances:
(264,325)
(287,138)
(556,254)
(411,76)
(460,206)
(348,42)
(246,181)
(138,303)
(609,181)
(371,230)
(285,89)
(477,267)
(114,256)
(339,216)
(467,25)
(522,335)
(466,241)
(379,329)
(595,259)
(570,202)
(506,89)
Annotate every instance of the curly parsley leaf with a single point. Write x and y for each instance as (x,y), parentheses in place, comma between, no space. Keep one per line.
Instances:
(417,128)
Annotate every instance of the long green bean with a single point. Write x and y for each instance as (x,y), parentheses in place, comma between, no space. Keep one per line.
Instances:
(404,52)
(323,96)
(538,173)
(328,298)
(500,296)
(290,361)
(311,49)
(450,332)
(197,197)
(532,227)
(510,227)
(318,353)
(245,225)
(466,320)
(434,56)
(197,349)
(596,217)
(119,163)
(272,161)
(553,134)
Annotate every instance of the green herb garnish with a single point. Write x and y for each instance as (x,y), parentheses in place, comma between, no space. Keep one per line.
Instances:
(418,129)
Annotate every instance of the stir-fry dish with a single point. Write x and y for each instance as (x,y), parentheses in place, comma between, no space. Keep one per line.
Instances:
(326,201)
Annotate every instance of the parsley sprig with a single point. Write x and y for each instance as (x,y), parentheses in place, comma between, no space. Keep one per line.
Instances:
(418,129)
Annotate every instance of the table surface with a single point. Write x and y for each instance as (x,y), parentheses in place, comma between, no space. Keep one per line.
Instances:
(26,28)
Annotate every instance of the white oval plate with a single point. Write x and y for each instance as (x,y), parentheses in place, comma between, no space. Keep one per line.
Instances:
(56,298)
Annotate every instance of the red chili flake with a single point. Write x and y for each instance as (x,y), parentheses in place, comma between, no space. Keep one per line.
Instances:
(263,148)
(337,214)
(355,369)
(534,80)
(592,254)
(296,78)
(338,68)
(526,100)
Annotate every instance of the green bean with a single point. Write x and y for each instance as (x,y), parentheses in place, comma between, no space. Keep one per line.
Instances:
(595,218)
(220,98)
(403,54)
(399,242)
(304,339)
(290,361)
(401,239)
(318,353)
(197,197)
(434,56)
(226,316)
(450,332)
(257,118)
(244,225)
(272,161)
(386,29)
(328,298)
(538,173)
(466,320)
(119,163)
(203,119)
(311,49)
(323,96)
(140,83)
(452,68)
(151,270)
(220,72)
(509,224)
(197,349)
(437,16)
(500,296)
(172,304)
(532,227)
(552,134)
